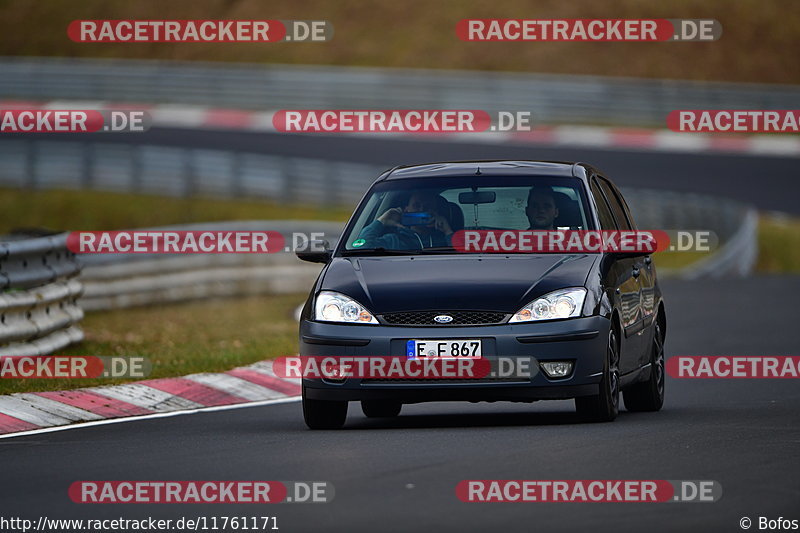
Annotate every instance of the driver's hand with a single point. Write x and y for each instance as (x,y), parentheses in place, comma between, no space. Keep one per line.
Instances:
(392,217)
(441,224)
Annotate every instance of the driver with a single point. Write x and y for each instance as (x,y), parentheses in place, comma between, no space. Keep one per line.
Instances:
(387,230)
(541,209)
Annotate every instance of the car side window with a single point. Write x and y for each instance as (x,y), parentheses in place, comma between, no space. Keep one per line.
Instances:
(616,205)
(603,211)
(626,208)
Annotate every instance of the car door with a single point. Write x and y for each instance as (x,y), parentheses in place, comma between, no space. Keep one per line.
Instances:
(625,271)
(647,277)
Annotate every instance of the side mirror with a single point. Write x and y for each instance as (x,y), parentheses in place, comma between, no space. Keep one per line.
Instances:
(315,252)
(647,242)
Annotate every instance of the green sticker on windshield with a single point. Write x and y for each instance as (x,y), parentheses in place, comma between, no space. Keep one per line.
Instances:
(359,242)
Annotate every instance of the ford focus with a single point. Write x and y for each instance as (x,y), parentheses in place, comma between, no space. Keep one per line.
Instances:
(399,283)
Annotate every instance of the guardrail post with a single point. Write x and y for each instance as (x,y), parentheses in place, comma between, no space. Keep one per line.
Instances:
(30,164)
(188,172)
(88,153)
(236,178)
(136,162)
(288,168)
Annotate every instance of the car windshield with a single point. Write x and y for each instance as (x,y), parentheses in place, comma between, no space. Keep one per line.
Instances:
(420,215)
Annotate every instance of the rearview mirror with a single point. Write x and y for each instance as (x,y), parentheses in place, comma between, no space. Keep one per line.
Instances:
(483,197)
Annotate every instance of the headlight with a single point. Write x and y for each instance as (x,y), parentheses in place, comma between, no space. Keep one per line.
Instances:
(335,307)
(564,303)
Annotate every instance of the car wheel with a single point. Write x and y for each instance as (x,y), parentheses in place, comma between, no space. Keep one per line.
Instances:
(604,407)
(649,395)
(323,414)
(381,408)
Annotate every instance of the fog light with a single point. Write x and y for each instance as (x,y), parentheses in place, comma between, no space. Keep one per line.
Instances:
(557,369)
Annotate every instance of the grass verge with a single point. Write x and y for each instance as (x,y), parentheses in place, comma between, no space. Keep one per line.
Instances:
(677,260)
(180,339)
(78,210)
(778,245)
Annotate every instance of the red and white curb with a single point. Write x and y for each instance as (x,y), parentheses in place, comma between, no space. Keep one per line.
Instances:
(179,116)
(256,383)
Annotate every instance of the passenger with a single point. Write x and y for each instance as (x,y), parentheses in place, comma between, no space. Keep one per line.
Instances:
(387,230)
(541,209)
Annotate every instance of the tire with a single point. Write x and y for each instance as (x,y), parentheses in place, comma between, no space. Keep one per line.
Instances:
(381,408)
(604,407)
(323,414)
(649,395)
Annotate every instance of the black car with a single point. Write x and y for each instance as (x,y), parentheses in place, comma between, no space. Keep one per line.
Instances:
(396,285)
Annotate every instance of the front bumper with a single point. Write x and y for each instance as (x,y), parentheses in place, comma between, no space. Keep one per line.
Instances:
(581,340)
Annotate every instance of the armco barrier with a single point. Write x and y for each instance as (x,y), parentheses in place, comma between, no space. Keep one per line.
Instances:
(38,295)
(735,225)
(177,171)
(736,258)
(120,280)
(551,98)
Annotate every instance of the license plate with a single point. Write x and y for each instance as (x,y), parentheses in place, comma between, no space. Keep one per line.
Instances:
(444,348)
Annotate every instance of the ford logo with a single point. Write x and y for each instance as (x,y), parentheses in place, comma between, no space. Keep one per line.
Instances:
(443,319)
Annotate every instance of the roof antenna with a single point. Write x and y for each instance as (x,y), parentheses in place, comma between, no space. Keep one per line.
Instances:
(478,172)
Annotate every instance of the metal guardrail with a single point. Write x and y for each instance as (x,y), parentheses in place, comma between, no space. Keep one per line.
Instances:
(114,281)
(38,295)
(736,258)
(734,224)
(177,171)
(551,98)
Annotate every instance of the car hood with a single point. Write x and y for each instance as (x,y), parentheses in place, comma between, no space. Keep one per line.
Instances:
(391,284)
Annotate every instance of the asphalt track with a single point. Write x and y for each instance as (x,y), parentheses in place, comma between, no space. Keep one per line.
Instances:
(401,475)
(768,183)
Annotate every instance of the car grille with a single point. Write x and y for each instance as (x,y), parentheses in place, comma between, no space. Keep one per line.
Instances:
(460,318)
